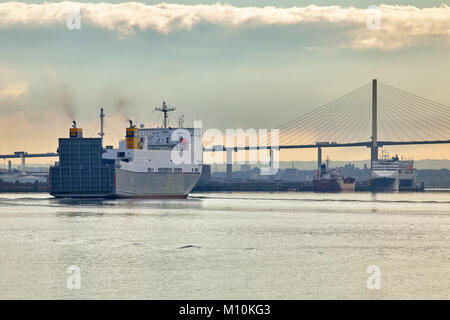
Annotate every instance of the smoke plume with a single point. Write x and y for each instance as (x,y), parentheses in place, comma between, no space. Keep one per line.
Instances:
(68,102)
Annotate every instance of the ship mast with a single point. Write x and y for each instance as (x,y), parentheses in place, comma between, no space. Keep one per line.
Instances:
(101,133)
(165,109)
(181,121)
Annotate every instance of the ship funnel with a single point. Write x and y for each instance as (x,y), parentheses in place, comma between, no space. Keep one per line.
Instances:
(75,132)
(132,136)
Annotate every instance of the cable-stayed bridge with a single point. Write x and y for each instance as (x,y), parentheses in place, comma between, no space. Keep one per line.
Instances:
(373,115)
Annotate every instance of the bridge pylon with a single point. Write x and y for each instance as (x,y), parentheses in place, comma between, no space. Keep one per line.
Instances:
(374,146)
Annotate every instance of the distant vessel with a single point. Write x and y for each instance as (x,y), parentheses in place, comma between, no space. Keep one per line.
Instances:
(142,167)
(393,174)
(330,180)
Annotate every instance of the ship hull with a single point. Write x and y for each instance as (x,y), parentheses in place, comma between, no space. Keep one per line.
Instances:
(143,185)
(348,185)
(335,185)
(327,186)
(74,195)
(151,197)
(384,185)
(151,185)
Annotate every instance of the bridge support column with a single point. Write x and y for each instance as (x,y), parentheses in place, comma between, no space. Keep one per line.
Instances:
(229,163)
(374,154)
(272,163)
(319,157)
(374,147)
(23,164)
(9,165)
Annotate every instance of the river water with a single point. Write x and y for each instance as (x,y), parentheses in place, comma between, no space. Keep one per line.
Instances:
(227,246)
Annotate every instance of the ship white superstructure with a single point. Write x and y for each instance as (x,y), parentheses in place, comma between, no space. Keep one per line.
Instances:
(393,174)
(157,162)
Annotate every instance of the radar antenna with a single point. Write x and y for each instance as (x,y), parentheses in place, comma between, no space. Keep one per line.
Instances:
(165,109)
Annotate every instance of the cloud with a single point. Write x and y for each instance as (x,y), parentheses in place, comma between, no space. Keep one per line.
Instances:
(14,90)
(401,26)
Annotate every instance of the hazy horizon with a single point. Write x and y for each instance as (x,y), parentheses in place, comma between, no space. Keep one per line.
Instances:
(431,164)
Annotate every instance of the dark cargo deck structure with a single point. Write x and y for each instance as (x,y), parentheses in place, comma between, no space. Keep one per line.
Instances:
(81,172)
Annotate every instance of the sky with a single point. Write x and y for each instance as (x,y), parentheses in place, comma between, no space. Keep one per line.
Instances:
(234,64)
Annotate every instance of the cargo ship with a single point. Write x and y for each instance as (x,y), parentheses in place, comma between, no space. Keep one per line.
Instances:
(392,175)
(330,180)
(159,162)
